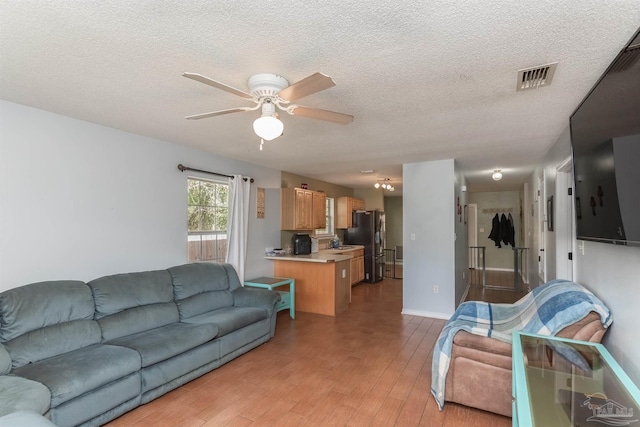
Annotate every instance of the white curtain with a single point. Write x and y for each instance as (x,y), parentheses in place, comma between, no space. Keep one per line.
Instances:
(238,223)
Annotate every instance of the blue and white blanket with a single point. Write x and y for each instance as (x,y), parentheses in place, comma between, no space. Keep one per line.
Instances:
(546,310)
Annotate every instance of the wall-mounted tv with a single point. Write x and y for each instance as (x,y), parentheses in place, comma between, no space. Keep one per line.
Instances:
(605,138)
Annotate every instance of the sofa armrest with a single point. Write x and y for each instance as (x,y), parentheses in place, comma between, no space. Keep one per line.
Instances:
(254,297)
(25,419)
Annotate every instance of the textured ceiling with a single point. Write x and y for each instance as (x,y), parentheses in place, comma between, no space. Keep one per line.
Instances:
(424,80)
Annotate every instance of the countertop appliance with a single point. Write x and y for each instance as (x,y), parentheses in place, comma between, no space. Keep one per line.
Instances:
(369,230)
(301,244)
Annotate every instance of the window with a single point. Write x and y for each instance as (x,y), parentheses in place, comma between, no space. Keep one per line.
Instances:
(329,230)
(208,210)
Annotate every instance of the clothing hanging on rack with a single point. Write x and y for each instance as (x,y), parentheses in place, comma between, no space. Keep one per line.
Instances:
(495,231)
(502,230)
(512,232)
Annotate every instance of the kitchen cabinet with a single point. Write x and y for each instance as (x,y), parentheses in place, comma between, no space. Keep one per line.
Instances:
(302,209)
(345,206)
(321,287)
(319,217)
(357,266)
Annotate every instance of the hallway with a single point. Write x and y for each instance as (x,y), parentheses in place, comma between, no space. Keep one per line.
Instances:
(499,287)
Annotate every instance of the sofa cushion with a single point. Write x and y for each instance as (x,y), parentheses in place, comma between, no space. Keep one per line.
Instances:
(118,292)
(203,303)
(54,302)
(138,319)
(202,287)
(80,371)
(168,341)
(52,340)
(22,394)
(134,302)
(5,360)
(230,319)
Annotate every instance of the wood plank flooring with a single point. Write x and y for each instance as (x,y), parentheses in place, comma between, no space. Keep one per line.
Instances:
(500,287)
(368,366)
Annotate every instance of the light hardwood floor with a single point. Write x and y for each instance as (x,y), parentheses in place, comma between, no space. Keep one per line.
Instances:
(369,366)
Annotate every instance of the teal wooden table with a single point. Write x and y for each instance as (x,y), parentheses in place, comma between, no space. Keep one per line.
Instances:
(287,299)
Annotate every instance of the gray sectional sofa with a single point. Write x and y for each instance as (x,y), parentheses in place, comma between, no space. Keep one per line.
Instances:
(85,353)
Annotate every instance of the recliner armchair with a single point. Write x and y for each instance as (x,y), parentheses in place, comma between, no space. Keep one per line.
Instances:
(480,369)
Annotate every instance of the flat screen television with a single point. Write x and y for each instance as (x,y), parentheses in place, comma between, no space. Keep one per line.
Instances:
(605,139)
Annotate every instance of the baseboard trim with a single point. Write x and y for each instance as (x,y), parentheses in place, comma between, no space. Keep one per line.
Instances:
(430,314)
(510,270)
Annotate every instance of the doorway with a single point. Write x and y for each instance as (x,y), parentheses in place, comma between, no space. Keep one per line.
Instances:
(541,219)
(472,234)
(564,226)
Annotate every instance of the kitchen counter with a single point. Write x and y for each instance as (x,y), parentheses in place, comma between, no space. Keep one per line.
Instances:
(342,250)
(325,256)
(323,280)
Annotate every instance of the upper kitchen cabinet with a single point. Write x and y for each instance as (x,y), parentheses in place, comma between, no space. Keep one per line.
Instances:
(302,209)
(319,217)
(346,206)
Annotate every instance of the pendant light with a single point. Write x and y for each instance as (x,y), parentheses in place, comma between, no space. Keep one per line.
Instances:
(385,184)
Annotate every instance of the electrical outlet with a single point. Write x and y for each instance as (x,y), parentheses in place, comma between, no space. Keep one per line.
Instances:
(344,273)
(436,289)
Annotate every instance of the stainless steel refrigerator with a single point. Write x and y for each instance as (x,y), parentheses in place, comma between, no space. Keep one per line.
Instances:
(368,230)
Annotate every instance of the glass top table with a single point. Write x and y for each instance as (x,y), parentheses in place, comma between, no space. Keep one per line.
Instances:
(561,382)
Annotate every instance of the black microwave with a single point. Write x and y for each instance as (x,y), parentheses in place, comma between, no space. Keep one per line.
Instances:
(301,244)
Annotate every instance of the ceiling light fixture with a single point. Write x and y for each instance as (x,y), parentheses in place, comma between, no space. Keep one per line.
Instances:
(497,175)
(385,184)
(268,126)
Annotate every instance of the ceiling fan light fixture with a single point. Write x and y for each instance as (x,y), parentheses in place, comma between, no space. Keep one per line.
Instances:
(497,175)
(268,127)
(376,185)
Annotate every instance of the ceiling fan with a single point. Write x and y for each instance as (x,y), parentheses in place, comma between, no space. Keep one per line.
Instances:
(269,91)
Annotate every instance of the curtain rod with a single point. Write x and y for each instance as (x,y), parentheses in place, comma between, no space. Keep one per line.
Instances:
(186,168)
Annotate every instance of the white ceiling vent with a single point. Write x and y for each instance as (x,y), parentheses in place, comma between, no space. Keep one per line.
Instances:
(533,78)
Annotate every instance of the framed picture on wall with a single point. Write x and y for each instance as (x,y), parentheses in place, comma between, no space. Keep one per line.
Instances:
(550,213)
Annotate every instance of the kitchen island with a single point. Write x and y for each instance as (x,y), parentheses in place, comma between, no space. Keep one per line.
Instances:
(323,280)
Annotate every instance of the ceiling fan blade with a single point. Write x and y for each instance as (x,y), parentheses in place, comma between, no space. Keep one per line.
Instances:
(307,86)
(206,80)
(217,113)
(316,113)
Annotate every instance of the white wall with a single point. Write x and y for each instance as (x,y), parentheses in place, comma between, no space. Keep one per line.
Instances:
(610,272)
(79,200)
(429,260)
